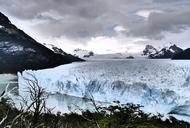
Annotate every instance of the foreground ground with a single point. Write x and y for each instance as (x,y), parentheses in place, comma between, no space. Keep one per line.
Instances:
(118,116)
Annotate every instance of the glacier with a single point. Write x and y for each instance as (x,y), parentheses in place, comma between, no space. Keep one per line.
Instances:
(161,86)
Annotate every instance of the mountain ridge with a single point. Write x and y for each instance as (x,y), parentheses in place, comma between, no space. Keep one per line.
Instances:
(185,55)
(164,53)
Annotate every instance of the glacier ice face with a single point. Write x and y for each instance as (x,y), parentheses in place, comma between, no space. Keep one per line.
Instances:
(161,86)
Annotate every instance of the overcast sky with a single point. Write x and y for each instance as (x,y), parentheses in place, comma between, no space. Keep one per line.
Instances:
(104,26)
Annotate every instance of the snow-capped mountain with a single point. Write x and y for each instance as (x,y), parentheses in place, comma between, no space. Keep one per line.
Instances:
(18,51)
(149,49)
(90,55)
(166,52)
(109,56)
(83,53)
(182,55)
(55,49)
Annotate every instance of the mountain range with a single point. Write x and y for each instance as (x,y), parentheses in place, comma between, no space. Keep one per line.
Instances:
(150,51)
(164,53)
(19,51)
(172,51)
(86,54)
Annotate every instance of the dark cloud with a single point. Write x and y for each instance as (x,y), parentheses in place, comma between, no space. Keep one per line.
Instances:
(158,23)
(89,18)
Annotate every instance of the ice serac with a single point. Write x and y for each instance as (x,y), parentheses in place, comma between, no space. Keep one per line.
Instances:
(160,86)
(18,51)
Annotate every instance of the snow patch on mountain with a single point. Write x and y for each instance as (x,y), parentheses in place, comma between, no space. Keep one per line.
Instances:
(1,26)
(55,49)
(9,48)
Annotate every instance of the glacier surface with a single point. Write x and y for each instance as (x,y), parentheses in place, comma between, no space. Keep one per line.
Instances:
(161,86)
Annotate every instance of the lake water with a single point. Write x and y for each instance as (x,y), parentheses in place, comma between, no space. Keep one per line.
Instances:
(10,80)
(161,86)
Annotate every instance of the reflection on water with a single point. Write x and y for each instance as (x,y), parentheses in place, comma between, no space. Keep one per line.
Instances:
(66,104)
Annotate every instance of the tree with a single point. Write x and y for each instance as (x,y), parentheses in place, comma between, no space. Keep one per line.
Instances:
(37,98)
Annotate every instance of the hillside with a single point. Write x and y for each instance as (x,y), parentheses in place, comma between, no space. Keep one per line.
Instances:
(19,51)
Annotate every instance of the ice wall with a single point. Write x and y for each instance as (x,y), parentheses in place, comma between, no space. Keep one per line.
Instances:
(161,86)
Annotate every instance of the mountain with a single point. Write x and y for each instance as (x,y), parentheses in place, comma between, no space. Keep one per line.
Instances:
(130,57)
(83,53)
(164,53)
(149,49)
(18,51)
(55,49)
(182,55)
(90,55)
(109,56)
